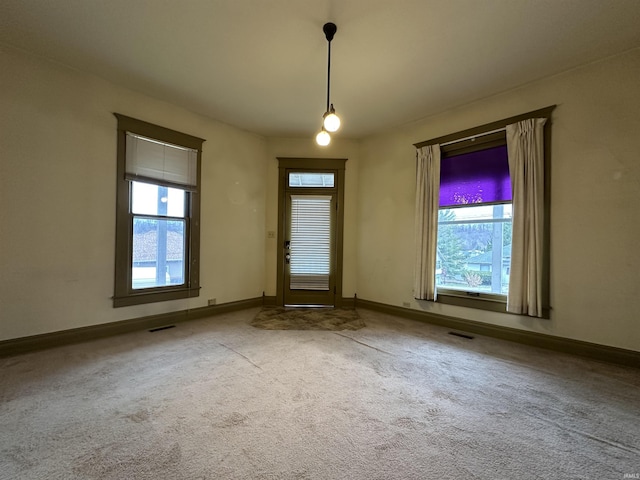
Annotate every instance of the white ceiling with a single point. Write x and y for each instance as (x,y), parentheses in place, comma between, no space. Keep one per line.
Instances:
(261,64)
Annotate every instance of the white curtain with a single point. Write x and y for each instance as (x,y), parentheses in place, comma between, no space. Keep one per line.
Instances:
(426,223)
(525,146)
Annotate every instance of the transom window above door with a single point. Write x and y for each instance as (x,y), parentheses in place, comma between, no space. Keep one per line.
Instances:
(311,180)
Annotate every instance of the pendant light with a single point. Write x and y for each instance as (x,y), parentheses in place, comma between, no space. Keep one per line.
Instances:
(323,138)
(331,121)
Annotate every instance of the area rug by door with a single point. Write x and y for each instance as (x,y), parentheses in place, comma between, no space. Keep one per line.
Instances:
(285,318)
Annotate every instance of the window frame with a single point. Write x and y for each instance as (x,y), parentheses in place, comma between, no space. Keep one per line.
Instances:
(124,294)
(485,136)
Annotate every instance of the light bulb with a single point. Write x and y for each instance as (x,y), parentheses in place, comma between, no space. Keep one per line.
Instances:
(332,122)
(323,138)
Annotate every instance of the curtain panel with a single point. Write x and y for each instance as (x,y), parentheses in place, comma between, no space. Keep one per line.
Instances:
(426,221)
(525,144)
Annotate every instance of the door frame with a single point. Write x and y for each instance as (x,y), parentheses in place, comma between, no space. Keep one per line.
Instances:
(336,165)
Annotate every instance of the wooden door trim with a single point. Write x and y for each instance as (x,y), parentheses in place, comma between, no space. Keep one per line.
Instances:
(310,164)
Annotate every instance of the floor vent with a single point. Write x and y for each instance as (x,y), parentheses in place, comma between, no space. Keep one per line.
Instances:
(462,335)
(162,328)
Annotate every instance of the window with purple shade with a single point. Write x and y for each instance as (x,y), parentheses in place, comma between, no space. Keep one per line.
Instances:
(474,223)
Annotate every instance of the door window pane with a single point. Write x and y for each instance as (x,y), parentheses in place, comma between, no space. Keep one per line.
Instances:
(310,247)
(158,253)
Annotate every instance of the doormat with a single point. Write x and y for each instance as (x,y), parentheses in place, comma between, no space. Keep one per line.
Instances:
(285,318)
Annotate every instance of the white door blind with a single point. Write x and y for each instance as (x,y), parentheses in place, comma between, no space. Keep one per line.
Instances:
(160,162)
(310,247)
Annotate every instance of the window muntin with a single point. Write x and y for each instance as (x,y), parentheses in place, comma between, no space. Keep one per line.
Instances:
(474,249)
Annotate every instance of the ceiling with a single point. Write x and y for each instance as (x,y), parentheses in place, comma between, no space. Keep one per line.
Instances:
(261,65)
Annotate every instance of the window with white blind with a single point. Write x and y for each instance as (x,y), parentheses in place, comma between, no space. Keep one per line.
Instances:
(157,216)
(310,248)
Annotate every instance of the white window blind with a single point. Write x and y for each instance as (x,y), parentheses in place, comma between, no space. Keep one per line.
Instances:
(310,247)
(160,162)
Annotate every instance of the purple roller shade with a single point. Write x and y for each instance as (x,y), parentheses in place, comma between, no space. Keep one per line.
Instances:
(477,177)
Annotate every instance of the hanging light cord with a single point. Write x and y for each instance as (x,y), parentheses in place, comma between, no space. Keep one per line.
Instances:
(330,121)
(328,74)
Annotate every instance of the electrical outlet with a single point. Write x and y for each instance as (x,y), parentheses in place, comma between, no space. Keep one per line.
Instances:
(271,234)
(211,301)
(406,304)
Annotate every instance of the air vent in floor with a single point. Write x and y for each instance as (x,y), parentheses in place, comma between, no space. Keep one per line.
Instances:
(162,328)
(462,335)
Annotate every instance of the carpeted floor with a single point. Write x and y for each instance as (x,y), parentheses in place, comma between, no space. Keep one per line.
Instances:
(219,399)
(282,318)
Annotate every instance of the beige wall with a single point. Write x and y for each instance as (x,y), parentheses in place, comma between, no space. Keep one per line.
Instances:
(57,199)
(307,148)
(595,221)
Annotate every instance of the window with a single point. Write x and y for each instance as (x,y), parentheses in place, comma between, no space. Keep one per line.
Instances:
(159,233)
(475,247)
(474,221)
(157,214)
(311,180)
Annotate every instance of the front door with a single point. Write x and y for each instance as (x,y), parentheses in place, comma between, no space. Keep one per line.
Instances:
(311,233)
